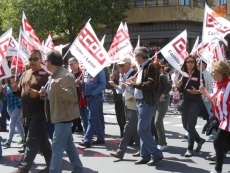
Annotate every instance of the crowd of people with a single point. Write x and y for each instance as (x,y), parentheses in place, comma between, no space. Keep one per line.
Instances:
(57,102)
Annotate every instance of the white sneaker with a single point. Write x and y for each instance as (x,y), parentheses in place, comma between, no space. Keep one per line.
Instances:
(210,137)
(162,147)
(214,171)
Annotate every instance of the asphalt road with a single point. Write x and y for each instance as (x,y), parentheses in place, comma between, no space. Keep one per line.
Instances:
(98,160)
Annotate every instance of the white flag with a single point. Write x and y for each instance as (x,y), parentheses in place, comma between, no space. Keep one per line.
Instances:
(138,42)
(214,26)
(175,51)
(103,40)
(89,50)
(4,42)
(13,47)
(49,45)
(121,46)
(194,49)
(60,47)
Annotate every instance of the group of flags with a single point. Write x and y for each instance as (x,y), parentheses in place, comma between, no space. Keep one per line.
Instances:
(93,57)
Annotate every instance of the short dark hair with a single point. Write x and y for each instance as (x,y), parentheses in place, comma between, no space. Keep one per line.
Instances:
(167,69)
(55,58)
(36,51)
(142,51)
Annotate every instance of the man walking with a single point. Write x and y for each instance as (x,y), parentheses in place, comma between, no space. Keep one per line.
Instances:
(33,112)
(146,87)
(62,95)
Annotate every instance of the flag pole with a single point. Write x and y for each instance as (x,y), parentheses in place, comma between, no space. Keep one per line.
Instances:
(113,67)
(74,42)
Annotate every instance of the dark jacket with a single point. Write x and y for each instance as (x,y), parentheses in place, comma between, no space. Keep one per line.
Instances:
(165,85)
(149,84)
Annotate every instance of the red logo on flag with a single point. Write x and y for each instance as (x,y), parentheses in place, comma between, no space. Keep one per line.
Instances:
(2,72)
(119,38)
(212,22)
(3,47)
(180,47)
(90,43)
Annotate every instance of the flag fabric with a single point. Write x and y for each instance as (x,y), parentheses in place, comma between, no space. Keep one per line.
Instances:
(194,49)
(223,52)
(17,62)
(60,47)
(214,26)
(13,47)
(49,45)
(121,45)
(217,54)
(88,49)
(138,42)
(25,46)
(30,32)
(103,40)
(4,43)
(175,51)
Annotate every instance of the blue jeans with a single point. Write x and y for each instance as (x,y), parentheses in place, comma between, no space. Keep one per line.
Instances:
(84,112)
(63,141)
(148,147)
(94,119)
(15,121)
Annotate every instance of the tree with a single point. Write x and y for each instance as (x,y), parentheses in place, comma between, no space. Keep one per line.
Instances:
(63,17)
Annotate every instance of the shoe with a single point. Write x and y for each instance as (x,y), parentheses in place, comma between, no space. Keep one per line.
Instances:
(85,144)
(22,150)
(21,141)
(214,171)
(162,147)
(137,154)
(98,142)
(19,170)
(199,145)
(210,138)
(45,170)
(141,161)
(188,154)
(115,154)
(6,144)
(183,136)
(212,157)
(153,161)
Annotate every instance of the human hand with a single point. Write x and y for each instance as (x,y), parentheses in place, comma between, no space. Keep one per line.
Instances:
(54,82)
(34,93)
(77,81)
(193,91)
(111,83)
(42,92)
(111,77)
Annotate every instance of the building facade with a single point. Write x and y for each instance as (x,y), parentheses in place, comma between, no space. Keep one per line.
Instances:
(157,22)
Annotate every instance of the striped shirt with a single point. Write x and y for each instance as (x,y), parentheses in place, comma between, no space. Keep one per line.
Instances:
(221,106)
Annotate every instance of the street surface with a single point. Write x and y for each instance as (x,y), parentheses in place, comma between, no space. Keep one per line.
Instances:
(98,160)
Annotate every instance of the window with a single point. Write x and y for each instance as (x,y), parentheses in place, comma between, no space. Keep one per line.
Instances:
(184,2)
(221,2)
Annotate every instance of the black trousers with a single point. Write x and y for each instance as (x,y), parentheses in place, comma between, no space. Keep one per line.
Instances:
(4,114)
(120,115)
(220,146)
(36,140)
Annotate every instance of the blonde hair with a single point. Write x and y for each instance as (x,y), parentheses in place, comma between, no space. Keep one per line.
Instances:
(222,67)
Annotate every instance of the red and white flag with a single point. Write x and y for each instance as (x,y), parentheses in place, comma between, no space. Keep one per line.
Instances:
(194,49)
(138,42)
(13,47)
(17,63)
(121,45)
(30,32)
(89,50)
(49,45)
(25,46)
(4,43)
(175,51)
(60,47)
(223,52)
(218,54)
(214,26)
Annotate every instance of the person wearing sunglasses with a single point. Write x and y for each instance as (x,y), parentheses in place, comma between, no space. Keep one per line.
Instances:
(33,112)
(189,86)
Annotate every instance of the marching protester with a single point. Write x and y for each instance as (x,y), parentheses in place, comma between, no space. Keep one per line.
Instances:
(63,99)
(14,108)
(93,88)
(146,87)
(130,129)
(118,101)
(33,112)
(162,106)
(221,109)
(76,71)
(189,86)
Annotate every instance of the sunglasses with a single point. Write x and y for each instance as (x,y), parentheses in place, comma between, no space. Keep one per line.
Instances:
(192,62)
(34,59)
(121,65)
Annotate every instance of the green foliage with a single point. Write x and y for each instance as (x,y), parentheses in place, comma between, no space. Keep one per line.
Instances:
(62,17)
